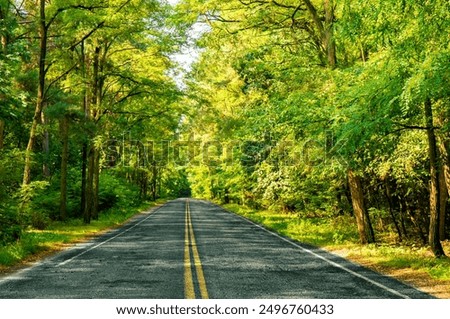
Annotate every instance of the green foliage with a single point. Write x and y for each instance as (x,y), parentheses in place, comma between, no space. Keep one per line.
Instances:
(116,192)
(176,184)
(10,227)
(10,172)
(265,82)
(26,197)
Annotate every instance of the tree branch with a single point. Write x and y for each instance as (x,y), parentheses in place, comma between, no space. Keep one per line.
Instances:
(60,77)
(98,26)
(312,10)
(77,7)
(414,127)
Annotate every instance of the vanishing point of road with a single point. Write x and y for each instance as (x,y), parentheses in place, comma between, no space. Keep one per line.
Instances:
(194,249)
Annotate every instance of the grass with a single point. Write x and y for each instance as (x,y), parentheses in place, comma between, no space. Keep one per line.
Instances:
(406,257)
(340,236)
(312,230)
(36,242)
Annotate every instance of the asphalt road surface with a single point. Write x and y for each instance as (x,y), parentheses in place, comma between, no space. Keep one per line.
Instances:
(194,249)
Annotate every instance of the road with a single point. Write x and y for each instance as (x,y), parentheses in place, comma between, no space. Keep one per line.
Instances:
(195,249)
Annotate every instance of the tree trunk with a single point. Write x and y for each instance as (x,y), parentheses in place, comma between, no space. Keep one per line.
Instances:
(85,146)
(443,198)
(329,43)
(64,129)
(43,34)
(390,201)
(89,205)
(84,160)
(154,182)
(96,185)
(143,182)
(45,146)
(93,170)
(324,27)
(403,214)
(433,235)
(4,36)
(365,229)
(445,151)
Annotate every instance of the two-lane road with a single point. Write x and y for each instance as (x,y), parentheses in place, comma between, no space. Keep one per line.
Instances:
(195,249)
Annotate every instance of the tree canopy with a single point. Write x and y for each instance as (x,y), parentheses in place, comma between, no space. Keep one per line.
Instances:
(332,107)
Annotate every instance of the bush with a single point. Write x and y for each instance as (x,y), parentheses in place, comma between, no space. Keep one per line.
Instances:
(39,220)
(45,206)
(10,228)
(31,213)
(115,191)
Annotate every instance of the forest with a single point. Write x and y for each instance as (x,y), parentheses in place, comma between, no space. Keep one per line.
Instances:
(78,79)
(322,108)
(326,108)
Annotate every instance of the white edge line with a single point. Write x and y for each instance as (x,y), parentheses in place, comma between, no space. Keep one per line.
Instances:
(151,213)
(373,282)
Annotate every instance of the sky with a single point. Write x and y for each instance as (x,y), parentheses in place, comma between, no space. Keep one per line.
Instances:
(189,53)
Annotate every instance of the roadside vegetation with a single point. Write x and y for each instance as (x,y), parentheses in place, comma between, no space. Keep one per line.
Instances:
(43,234)
(408,261)
(57,235)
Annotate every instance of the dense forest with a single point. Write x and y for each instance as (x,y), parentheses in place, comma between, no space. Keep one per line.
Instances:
(83,84)
(326,108)
(320,107)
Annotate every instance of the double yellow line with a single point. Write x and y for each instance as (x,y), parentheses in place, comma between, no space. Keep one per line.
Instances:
(189,243)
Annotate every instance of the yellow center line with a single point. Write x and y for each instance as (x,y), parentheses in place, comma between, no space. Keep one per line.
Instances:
(197,262)
(190,242)
(189,291)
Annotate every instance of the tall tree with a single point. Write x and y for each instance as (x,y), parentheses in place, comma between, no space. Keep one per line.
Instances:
(40,100)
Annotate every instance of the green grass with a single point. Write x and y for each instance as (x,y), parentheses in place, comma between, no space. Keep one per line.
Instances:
(405,257)
(340,234)
(60,233)
(312,230)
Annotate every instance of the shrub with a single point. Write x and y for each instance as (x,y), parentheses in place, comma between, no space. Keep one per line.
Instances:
(10,228)
(116,191)
(39,220)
